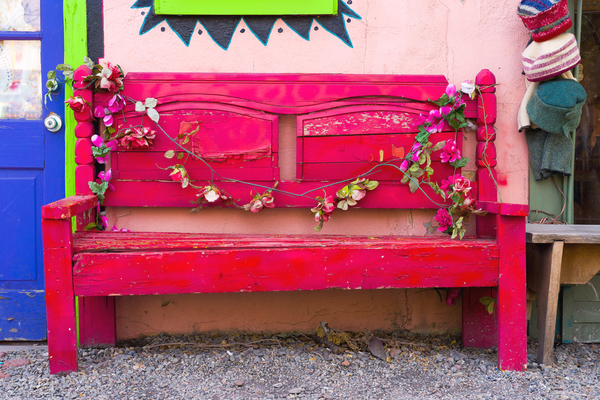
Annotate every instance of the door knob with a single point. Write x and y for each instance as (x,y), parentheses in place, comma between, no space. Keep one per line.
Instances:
(53,122)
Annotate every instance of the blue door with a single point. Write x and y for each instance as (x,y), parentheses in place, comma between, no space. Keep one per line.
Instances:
(31,158)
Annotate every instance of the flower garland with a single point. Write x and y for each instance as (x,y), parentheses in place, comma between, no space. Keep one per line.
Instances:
(416,167)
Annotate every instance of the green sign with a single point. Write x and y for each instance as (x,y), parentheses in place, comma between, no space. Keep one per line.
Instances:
(246,7)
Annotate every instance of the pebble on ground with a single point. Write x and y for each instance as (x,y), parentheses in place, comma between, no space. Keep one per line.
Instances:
(295,367)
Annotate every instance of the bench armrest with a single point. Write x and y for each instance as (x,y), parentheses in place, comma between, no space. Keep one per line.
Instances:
(492,207)
(69,207)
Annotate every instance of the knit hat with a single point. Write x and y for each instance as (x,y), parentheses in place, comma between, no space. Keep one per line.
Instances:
(551,58)
(556,106)
(545,18)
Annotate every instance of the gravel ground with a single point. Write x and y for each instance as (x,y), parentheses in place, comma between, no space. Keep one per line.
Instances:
(295,367)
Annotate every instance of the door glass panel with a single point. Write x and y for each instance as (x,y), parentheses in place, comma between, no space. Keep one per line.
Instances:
(20,79)
(20,15)
(587,146)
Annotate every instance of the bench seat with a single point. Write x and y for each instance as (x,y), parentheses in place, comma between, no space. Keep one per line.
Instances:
(118,263)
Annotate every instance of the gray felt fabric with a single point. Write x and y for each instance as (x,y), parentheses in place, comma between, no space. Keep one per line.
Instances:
(555,108)
(549,153)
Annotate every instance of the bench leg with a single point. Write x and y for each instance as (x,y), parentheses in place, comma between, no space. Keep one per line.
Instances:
(60,301)
(97,321)
(547,292)
(479,328)
(512,294)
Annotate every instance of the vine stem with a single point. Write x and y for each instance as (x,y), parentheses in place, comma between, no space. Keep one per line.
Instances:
(305,194)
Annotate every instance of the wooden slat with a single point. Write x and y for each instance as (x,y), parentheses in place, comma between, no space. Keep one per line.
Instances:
(546,233)
(285,269)
(366,148)
(339,171)
(144,241)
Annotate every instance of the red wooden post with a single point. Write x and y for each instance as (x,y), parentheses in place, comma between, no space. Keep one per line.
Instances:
(60,302)
(486,149)
(479,326)
(512,294)
(97,326)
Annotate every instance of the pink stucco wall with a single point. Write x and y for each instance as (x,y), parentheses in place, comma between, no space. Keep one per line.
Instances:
(453,38)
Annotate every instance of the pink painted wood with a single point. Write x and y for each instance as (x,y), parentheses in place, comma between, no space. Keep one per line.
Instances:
(345,123)
(60,300)
(97,326)
(512,294)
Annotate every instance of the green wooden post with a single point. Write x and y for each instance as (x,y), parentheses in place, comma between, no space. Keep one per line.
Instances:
(75,25)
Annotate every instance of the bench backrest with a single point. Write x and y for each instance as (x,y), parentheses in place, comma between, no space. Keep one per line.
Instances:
(345,125)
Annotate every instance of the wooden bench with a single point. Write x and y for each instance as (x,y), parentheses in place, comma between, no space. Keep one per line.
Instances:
(558,254)
(346,124)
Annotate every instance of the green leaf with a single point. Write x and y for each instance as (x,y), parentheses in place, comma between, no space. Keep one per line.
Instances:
(422,158)
(180,155)
(90,226)
(422,136)
(170,154)
(418,173)
(64,67)
(439,145)
(405,179)
(460,163)
(486,300)
(413,186)
(490,307)
(454,124)
(51,74)
(413,167)
(371,185)
(88,62)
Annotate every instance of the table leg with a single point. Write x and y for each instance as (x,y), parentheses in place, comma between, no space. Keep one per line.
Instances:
(547,292)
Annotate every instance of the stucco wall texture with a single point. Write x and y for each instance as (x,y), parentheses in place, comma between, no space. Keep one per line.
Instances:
(450,37)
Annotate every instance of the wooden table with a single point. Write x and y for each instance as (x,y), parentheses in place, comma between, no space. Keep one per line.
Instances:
(558,254)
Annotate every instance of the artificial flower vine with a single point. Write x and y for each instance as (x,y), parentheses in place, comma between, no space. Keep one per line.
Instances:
(416,166)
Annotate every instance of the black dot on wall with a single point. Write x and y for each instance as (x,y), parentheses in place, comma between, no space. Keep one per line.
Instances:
(199,31)
(348,20)
(242,30)
(349,2)
(162,29)
(143,12)
(280,30)
(316,28)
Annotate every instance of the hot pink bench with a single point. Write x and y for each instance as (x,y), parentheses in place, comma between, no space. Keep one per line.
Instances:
(345,125)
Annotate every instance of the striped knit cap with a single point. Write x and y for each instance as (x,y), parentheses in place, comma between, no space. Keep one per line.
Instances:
(551,58)
(545,18)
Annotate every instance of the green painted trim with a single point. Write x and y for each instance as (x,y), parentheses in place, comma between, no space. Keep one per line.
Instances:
(245,7)
(75,50)
(75,24)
